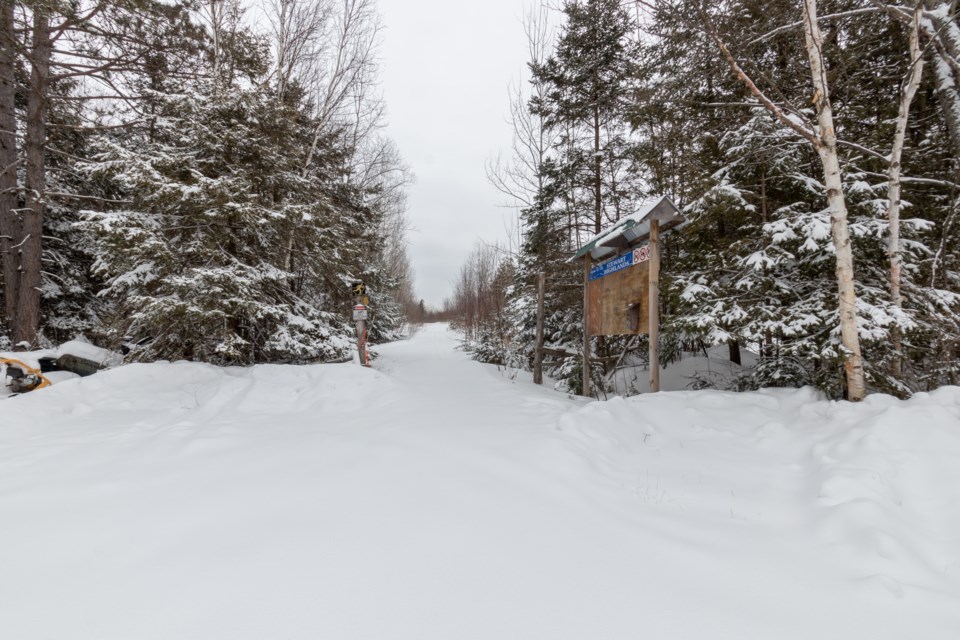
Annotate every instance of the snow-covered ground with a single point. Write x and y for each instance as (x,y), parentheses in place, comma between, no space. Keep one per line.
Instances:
(715,369)
(434,498)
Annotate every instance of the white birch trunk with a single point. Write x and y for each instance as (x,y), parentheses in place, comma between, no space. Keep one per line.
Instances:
(893,183)
(827,149)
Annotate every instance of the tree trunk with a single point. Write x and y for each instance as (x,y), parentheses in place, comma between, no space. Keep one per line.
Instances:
(598,211)
(538,354)
(733,347)
(28,308)
(827,150)
(597,183)
(653,318)
(893,184)
(216,17)
(586,326)
(9,217)
(764,216)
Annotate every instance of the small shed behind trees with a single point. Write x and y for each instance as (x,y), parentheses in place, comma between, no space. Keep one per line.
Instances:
(622,293)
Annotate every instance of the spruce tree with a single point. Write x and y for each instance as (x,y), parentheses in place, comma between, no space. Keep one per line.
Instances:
(587,87)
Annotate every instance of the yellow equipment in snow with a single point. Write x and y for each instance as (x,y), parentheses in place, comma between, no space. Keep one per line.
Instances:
(21,377)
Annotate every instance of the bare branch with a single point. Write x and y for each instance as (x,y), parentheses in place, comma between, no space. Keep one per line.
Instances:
(777,112)
(76,196)
(798,24)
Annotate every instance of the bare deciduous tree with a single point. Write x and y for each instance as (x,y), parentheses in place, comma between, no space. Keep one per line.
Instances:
(520,177)
(479,298)
(330,49)
(299,29)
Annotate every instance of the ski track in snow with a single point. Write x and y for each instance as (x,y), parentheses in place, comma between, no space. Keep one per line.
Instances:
(435,498)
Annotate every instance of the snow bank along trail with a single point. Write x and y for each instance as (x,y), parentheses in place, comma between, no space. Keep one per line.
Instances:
(435,498)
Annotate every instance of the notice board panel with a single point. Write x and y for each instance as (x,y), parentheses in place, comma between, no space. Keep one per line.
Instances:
(618,303)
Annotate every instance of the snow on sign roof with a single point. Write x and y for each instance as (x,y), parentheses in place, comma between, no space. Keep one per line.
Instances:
(632,229)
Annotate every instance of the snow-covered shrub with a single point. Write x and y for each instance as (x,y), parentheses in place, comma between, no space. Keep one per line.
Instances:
(774,371)
(700,381)
(487,347)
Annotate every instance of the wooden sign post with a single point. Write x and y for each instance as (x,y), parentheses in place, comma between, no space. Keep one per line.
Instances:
(360,317)
(538,354)
(654,302)
(586,326)
(621,294)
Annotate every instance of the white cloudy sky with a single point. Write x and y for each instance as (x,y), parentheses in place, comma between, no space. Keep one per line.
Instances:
(447,68)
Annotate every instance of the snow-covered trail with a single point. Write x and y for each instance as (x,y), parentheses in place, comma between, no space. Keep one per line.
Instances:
(435,498)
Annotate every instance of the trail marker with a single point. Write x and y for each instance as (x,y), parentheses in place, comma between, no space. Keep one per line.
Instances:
(360,317)
(622,294)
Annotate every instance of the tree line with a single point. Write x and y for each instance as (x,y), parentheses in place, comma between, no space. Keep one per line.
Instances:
(814,148)
(184,179)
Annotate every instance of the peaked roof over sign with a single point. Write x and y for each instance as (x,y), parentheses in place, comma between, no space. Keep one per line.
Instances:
(633,229)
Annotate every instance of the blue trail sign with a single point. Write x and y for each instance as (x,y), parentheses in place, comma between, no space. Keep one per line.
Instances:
(641,254)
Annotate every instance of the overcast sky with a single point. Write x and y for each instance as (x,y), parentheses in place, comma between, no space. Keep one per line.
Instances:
(447,69)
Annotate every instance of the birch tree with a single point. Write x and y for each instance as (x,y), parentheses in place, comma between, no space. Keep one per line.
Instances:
(907,93)
(824,140)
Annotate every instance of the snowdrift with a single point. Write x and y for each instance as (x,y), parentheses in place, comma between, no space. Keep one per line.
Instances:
(876,485)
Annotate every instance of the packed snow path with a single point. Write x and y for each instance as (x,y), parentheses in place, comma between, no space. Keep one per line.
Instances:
(436,498)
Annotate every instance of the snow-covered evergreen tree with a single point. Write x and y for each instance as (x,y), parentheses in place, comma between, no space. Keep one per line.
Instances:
(756,262)
(755,267)
(217,215)
(193,267)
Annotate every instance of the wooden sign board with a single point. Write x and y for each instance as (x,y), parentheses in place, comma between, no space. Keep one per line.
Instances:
(618,296)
